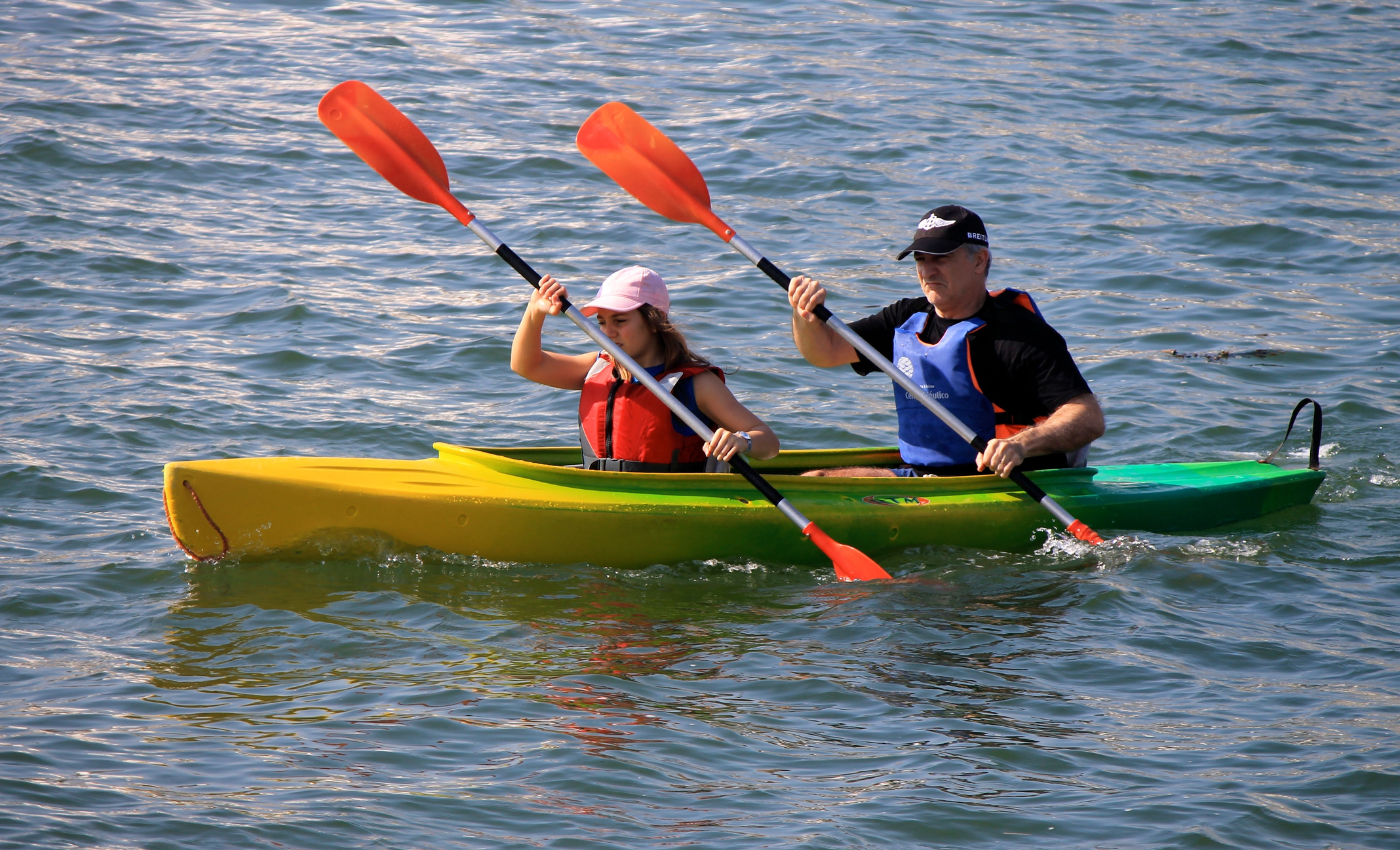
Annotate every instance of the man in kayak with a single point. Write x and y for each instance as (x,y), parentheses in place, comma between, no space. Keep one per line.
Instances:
(988,357)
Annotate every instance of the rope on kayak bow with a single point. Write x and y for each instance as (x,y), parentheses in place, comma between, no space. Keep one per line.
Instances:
(208,559)
(1313,462)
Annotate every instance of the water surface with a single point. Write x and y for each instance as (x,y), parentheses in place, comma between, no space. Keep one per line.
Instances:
(1201,197)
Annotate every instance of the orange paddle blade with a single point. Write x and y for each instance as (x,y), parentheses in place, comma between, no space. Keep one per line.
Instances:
(850,563)
(642,160)
(390,143)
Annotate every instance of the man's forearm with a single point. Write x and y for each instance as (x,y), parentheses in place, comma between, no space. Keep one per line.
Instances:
(1074,424)
(819,344)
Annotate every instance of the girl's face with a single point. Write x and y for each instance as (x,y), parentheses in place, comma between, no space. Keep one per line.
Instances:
(632,334)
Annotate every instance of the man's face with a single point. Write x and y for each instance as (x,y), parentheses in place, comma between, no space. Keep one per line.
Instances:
(952,281)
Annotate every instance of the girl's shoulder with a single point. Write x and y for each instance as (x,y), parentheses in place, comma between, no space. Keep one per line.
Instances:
(601,362)
(709,380)
(697,368)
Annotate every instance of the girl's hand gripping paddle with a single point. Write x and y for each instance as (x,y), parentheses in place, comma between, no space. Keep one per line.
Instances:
(642,160)
(392,145)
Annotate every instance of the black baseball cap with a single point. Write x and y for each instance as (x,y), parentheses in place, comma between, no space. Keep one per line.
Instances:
(944,228)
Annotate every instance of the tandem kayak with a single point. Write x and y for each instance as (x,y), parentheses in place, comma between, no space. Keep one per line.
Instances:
(529,505)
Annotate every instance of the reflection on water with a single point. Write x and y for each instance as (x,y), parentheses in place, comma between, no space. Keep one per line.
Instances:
(514,623)
(575,637)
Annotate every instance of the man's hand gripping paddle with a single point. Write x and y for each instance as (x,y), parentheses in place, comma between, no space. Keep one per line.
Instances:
(392,145)
(642,160)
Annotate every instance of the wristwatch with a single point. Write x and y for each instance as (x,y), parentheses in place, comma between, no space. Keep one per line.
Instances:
(747,439)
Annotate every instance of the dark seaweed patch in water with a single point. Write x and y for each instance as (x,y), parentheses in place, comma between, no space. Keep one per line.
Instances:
(1224,354)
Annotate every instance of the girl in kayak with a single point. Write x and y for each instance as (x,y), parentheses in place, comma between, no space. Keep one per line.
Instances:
(622,426)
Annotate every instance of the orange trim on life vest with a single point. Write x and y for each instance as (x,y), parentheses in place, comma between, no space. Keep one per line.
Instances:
(1008,430)
(972,373)
(1022,299)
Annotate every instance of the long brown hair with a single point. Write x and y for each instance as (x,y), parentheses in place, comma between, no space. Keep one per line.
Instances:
(675,349)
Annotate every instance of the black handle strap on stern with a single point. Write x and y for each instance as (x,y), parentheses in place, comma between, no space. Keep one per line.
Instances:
(1313,462)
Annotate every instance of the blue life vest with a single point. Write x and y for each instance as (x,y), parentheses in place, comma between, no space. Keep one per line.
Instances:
(944,371)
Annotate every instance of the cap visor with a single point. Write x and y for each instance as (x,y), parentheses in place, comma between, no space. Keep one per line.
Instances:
(936,247)
(615,303)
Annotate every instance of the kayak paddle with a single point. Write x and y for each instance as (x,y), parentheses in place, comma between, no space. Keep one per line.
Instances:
(394,146)
(642,160)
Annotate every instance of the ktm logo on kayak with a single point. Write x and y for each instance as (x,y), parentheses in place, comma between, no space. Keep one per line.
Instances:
(895,501)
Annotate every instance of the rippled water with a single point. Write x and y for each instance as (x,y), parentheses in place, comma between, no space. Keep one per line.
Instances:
(191,266)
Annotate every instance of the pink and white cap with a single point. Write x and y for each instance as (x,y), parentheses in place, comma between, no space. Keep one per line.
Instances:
(627,289)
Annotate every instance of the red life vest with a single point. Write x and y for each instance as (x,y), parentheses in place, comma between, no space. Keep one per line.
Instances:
(624,428)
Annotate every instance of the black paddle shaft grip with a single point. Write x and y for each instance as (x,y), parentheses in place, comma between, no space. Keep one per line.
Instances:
(526,271)
(1028,485)
(741,466)
(521,267)
(781,278)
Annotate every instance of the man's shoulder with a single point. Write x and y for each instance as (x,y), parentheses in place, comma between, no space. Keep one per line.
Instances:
(1040,374)
(891,316)
(1012,321)
(898,312)
(910,306)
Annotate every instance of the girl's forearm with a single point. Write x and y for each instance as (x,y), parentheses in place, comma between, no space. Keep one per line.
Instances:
(527,349)
(765,443)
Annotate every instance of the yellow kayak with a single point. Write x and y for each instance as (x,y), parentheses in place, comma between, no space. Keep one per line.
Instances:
(528,505)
